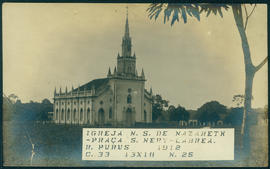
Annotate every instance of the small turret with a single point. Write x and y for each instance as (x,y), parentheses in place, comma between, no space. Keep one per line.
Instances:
(78,91)
(142,74)
(55,91)
(84,89)
(118,55)
(109,73)
(66,90)
(60,90)
(72,90)
(115,71)
(134,55)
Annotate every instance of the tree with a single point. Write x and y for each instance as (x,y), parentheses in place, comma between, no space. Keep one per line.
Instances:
(211,112)
(177,114)
(171,111)
(13,98)
(238,99)
(158,107)
(8,108)
(235,116)
(32,111)
(46,102)
(241,21)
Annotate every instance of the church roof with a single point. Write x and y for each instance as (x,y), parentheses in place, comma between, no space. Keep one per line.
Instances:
(96,83)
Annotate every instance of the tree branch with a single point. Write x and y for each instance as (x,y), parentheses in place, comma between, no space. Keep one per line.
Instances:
(248,15)
(261,64)
(252,11)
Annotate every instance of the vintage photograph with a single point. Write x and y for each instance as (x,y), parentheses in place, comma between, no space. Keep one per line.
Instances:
(135,85)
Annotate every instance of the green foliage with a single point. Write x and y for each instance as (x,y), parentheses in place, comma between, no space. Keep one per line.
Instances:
(13,98)
(32,111)
(211,111)
(184,10)
(8,110)
(238,99)
(177,114)
(158,107)
(235,116)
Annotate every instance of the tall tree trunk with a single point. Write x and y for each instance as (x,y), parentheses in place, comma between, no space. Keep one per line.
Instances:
(249,73)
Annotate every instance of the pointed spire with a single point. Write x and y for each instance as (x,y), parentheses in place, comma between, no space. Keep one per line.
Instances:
(109,72)
(134,55)
(126,41)
(142,74)
(118,55)
(72,88)
(55,91)
(78,89)
(66,90)
(114,72)
(127,26)
(60,90)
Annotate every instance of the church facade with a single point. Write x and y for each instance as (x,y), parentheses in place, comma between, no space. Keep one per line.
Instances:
(120,99)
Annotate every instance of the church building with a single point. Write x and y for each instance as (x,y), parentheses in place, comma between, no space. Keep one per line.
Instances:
(120,99)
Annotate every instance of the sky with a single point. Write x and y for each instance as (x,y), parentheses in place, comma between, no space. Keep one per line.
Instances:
(58,45)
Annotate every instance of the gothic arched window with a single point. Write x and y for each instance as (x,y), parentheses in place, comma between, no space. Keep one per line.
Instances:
(129,99)
(62,114)
(74,114)
(68,114)
(88,114)
(145,115)
(81,114)
(110,113)
(101,116)
(56,114)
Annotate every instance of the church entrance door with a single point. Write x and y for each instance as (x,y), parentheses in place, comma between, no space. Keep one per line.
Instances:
(101,116)
(129,117)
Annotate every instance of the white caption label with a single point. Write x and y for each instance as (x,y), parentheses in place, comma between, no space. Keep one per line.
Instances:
(157,144)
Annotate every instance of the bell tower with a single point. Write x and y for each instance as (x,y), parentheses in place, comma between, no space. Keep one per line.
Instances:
(126,63)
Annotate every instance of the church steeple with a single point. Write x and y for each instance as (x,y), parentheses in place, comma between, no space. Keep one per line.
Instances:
(126,41)
(126,63)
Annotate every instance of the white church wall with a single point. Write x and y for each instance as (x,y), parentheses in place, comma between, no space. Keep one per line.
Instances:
(122,87)
(103,102)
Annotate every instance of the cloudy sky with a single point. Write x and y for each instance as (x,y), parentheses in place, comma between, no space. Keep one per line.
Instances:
(52,45)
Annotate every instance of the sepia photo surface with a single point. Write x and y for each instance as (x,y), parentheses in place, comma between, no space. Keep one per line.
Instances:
(114,84)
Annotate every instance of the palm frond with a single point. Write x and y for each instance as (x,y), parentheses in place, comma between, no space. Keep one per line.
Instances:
(183,10)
